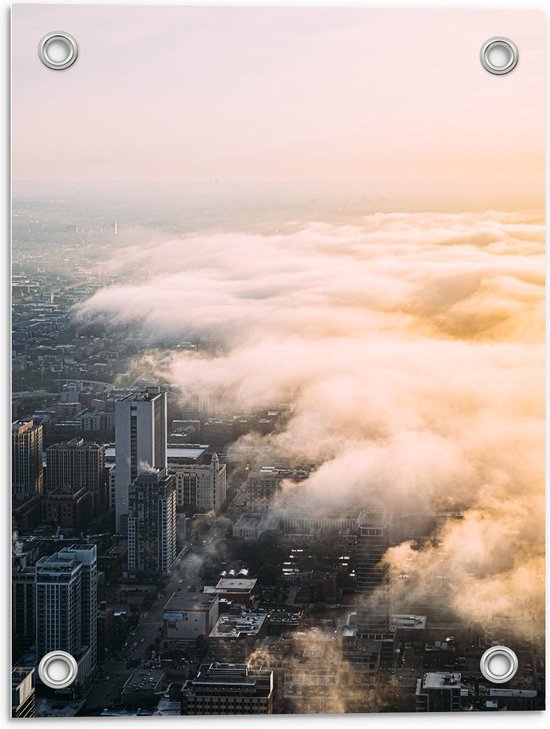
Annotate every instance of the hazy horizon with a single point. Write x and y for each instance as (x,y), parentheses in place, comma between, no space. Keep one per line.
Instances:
(397,97)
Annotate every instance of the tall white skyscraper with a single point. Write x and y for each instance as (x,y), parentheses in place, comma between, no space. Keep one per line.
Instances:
(66,605)
(140,435)
(152,522)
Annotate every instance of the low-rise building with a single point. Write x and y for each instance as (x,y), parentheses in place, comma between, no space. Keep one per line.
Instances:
(251,526)
(280,621)
(233,638)
(187,616)
(439,691)
(228,689)
(239,590)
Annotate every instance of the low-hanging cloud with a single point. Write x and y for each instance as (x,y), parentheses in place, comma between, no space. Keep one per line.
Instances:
(411,346)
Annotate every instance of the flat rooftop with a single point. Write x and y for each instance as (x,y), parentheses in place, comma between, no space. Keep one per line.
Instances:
(441,680)
(409,622)
(189,602)
(231,584)
(285,617)
(250,521)
(173,452)
(143,395)
(235,626)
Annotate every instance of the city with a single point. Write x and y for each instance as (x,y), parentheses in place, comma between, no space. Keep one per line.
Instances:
(165,541)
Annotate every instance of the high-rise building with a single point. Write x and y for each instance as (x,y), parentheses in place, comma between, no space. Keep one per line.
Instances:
(152,522)
(373,578)
(23,698)
(140,435)
(27,469)
(199,486)
(228,688)
(66,605)
(22,601)
(111,487)
(75,465)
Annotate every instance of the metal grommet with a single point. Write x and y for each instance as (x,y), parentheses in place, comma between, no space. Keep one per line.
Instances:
(58,669)
(499,664)
(499,55)
(58,50)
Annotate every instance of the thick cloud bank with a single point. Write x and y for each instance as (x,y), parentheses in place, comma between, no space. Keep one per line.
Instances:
(412,348)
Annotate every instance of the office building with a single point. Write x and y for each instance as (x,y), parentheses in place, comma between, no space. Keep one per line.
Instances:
(233,638)
(152,522)
(140,434)
(111,487)
(22,602)
(439,692)
(188,615)
(75,465)
(240,590)
(373,578)
(222,688)
(200,487)
(251,526)
(23,698)
(261,487)
(27,467)
(265,483)
(66,605)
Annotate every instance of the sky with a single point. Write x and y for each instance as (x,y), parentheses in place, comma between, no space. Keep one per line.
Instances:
(394,98)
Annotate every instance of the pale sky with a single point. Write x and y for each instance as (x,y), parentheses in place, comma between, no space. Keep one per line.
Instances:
(181,93)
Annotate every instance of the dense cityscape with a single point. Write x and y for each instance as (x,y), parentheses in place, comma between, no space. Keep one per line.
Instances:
(177,562)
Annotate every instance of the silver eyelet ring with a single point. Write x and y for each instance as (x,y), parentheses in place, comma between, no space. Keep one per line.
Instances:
(54,678)
(508,660)
(510,49)
(58,37)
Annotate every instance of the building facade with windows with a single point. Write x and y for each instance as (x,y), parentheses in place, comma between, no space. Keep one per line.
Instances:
(140,435)
(152,522)
(201,487)
(66,605)
(228,688)
(27,466)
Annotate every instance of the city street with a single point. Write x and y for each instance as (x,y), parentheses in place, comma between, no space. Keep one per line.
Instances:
(106,689)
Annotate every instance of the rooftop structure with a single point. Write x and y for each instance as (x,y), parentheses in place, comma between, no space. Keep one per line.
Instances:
(233,637)
(237,626)
(228,688)
(439,691)
(176,454)
(240,590)
(409,622)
